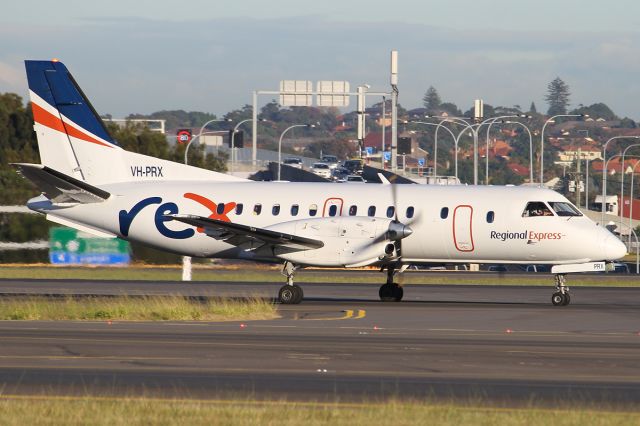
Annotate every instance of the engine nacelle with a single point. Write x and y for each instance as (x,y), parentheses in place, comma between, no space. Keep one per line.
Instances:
(348,241)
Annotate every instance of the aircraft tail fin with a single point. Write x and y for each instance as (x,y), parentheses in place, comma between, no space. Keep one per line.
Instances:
(73,140)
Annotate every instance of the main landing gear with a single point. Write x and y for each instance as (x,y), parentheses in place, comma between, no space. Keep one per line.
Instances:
(290,293)
(561,296)
(391,292)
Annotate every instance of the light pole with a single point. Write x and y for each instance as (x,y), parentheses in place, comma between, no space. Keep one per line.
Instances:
(631,205)
(280,142)
(491,123)
(233,135)
(455,120)
(215,120)
(437,126)
(622,178)
(604,171)
(550,120)
(530,149)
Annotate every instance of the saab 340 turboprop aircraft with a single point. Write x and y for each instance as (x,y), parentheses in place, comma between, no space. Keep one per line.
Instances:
(89,183)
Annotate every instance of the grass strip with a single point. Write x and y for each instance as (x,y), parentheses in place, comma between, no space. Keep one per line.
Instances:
(260,275)
(148,308)
(18,410)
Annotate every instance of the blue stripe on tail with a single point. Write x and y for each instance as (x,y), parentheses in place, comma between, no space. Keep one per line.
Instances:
(54,83)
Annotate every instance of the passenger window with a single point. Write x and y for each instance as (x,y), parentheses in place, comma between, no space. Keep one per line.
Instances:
(257,209)
(564,209)
(536,208)
(490,217)
(313,209)
(372,211)
(275,210)
(333,209)
(390,211)
(353,210)
(409,212)
(294,210)
(239,208)
(444,213)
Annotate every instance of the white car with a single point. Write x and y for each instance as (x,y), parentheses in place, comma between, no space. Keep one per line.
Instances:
(322,170)
(354,179)
(331,160)
(293,162)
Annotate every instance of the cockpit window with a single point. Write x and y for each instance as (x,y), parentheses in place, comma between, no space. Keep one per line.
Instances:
(536,208)
(564,209)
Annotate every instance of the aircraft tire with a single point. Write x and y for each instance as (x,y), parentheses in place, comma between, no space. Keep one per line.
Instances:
(390,292)
(398,292)
(560,299)
(290,294)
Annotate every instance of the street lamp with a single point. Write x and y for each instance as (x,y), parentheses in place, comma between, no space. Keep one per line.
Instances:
(622,178)
(233,136)
(493,121)
(215,120)
(454,120)
(437,126)
(280,142)
(550,120)
(631,205)
(604,171)
(530,149)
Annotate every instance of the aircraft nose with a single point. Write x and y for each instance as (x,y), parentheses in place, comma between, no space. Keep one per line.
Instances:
(613,248)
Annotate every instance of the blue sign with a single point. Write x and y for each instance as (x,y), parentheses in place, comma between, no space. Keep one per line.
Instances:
(369,150)
(387,156)
(421,162)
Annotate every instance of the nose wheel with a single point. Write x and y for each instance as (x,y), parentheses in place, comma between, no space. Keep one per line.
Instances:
(561,296)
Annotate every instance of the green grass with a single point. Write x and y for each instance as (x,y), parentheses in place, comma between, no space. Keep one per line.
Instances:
(272,275)
(16,410)
(150,308)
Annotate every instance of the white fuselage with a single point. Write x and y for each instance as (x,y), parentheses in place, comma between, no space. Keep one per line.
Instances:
(482,224)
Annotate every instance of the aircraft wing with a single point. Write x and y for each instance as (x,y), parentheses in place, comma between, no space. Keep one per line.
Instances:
(238,235)
(59,187)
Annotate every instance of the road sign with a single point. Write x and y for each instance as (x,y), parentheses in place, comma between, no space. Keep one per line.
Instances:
(183,135)
(71,247)
(369,150)
(421,162)
(296,93)
(387,155)
(333,93)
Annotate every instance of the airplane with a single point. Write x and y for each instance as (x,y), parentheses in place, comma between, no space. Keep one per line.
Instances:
(90,183)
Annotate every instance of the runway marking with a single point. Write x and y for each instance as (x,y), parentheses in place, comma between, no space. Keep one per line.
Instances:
(348,314)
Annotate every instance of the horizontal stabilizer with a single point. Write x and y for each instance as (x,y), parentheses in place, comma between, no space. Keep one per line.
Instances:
(237,235)
(59,187)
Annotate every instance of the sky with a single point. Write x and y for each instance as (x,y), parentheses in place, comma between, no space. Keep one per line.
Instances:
(146,56)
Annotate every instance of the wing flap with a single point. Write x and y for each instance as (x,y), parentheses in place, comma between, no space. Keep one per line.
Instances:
(59,187)
(238,235)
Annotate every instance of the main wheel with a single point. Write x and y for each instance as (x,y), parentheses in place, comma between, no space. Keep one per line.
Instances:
(290,294)
(560,299)
(386,293)
(398,292)
(391,293)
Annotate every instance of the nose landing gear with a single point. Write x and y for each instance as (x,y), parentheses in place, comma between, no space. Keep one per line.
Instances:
(561,296)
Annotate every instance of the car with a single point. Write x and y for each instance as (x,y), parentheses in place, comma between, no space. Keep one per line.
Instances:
(322,170)
(293,162)
(355,167)
(497,268)
(354,179)
(619,268)
(331,160)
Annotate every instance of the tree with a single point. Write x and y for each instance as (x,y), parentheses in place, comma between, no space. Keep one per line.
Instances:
(557,97)
(532,108)
(431,100)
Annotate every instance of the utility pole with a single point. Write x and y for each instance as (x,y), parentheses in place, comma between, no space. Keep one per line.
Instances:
(394,111)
